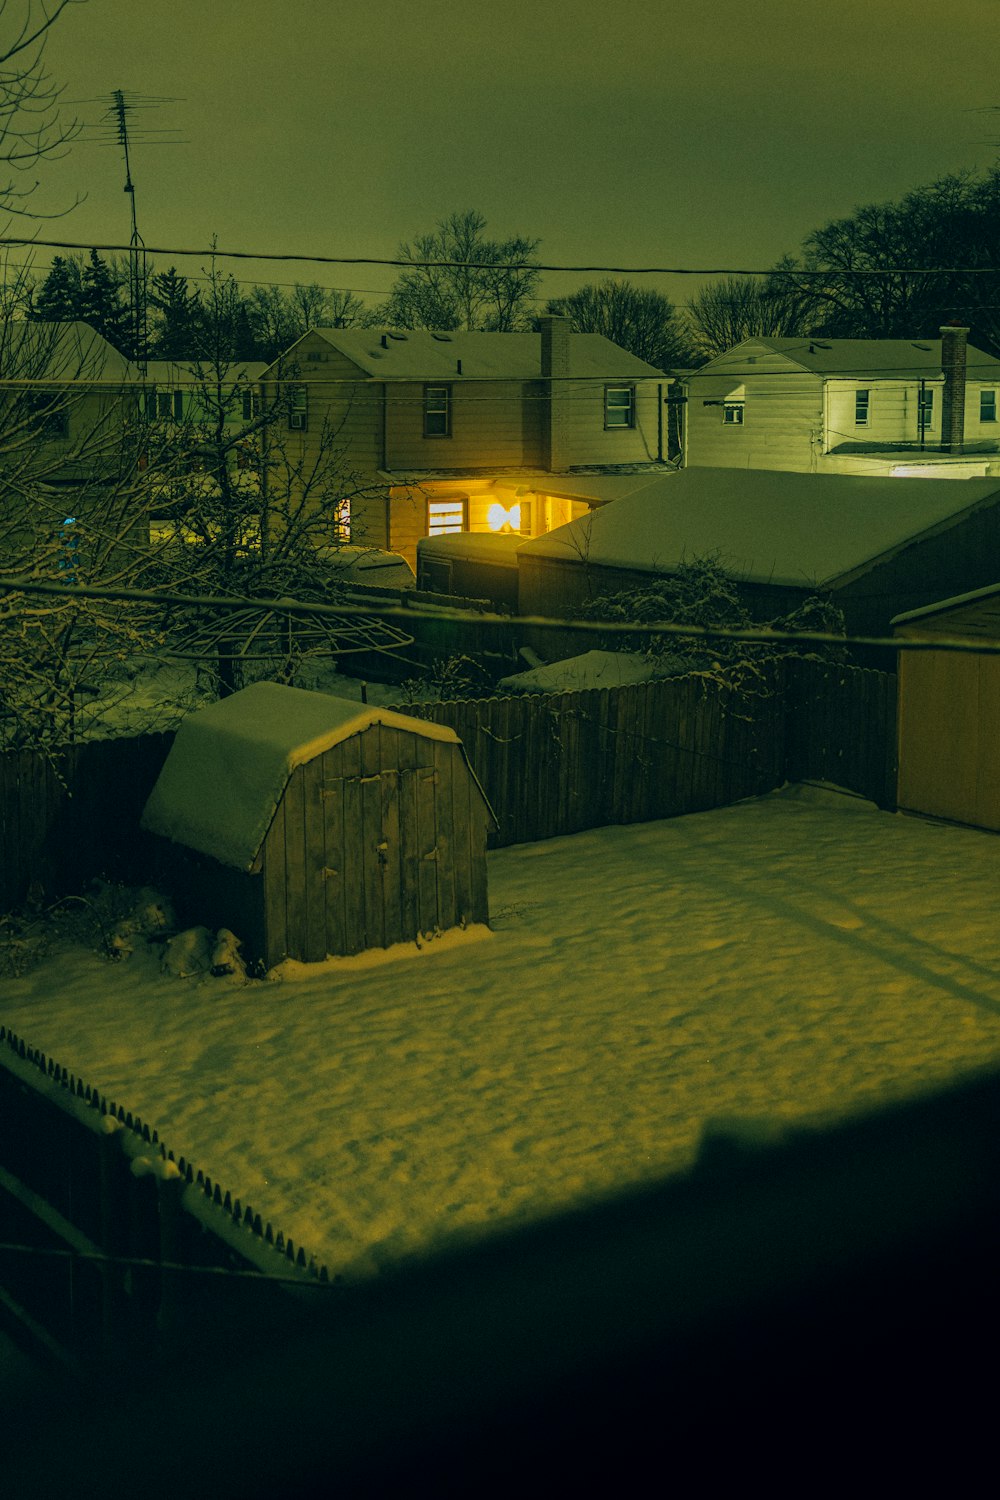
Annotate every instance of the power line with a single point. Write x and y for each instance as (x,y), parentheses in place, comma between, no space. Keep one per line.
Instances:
(514,265)
(759,635)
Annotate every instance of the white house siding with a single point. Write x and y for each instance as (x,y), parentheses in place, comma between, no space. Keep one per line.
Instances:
(341,399)
(782,425)
(586,440)
(892,412)
(494,424)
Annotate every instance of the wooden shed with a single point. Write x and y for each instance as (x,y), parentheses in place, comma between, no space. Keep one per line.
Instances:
(311,825)
(949,712)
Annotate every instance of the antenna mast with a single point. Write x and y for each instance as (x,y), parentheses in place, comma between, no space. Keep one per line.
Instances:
(117,127)
(136,246)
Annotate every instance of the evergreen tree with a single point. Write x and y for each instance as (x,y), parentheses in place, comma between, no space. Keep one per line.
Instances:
(60,297)
(180,316)
(104,303)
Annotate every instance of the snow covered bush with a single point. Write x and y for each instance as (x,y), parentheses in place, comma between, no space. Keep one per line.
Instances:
(702,593)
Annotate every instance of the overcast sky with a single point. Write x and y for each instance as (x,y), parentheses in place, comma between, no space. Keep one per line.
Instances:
(657,132)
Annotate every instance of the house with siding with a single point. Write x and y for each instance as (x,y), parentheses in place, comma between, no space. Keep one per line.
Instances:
(907,408)
(64,395)
(443,432)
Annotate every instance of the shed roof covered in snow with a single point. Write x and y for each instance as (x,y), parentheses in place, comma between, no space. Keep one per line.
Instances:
(230,763)
(595,669)
(783,528)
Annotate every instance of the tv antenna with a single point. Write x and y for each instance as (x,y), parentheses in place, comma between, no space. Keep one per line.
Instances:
(121,125)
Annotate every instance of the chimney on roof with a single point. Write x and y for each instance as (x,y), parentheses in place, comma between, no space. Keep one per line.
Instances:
(954,348)
(555,332)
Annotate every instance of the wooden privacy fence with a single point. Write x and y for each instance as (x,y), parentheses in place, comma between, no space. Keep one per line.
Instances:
(840,726)
(557,763)
(550,764)
(70,816)
(112,1250)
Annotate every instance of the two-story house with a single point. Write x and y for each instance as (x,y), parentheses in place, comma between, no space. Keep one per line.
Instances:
(905,407)
(445,432)
(66,397)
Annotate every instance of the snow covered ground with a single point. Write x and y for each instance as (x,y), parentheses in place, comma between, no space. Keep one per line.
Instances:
(797,957)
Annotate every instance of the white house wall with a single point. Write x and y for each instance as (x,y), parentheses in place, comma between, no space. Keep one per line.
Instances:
(782,425)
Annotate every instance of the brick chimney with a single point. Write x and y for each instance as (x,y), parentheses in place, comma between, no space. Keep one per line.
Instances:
(954,346)
(556,333)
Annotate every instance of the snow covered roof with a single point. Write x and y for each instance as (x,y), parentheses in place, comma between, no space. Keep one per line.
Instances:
(368,565)
(868,357)
(795,530)
(496,547)
(60,351)
(419,354)
(945,606)
(594,669)
(230,763)
(181,372)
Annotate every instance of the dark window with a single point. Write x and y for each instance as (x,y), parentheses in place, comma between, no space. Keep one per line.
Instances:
(732,413)
(437,411)
(247,398)
(49,414)
(925,409)
(861,404)
(619,406)
(298,417)
(987,406)
(178,406)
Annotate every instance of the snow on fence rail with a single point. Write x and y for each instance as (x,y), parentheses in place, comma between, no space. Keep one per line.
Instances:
(111,1249)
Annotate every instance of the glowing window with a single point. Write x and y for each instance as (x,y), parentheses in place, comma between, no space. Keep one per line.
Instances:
(444,516)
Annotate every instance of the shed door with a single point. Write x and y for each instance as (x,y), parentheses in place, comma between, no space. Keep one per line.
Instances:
(381,884)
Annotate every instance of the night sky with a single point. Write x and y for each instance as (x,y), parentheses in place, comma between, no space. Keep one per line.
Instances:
(654,132)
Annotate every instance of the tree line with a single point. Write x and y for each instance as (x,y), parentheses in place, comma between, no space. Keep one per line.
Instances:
(932,257)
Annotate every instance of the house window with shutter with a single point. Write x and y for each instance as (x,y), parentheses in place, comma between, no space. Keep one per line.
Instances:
(619,406)
(437,411)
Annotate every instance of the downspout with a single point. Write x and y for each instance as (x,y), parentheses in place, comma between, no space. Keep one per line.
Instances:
(659,422)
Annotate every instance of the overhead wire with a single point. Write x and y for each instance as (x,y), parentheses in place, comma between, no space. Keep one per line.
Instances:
(756,635)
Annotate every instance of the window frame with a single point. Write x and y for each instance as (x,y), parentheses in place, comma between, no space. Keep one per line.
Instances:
(988,404)
(862,402)
(733,413)
(628,408)
(442,410)
(50,419)
(925,409)
(449,502)
(298,413)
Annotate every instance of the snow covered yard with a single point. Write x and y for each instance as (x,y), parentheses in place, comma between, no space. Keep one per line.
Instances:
(797,957)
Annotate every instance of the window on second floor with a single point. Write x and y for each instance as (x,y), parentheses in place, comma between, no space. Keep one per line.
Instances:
(861,406)
(732,413)
(437,411)
(987,406)
(298,415)
(619,406)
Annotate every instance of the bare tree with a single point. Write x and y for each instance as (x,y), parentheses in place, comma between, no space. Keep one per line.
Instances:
(642,321)
(726,312)
(31,126)
(489,284)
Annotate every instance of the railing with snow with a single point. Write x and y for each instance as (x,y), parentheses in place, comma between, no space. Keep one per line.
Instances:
(114,1251)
